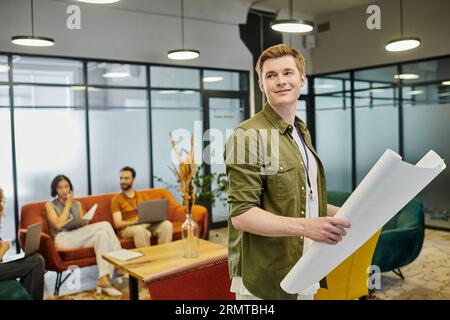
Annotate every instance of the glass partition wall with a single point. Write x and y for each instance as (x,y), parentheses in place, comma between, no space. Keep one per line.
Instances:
(404,107)
(87,119)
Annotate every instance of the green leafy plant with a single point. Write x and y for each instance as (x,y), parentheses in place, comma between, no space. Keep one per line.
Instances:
(202,182)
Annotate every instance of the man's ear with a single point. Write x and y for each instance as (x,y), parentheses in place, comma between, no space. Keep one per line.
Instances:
(261,86)
(303,79)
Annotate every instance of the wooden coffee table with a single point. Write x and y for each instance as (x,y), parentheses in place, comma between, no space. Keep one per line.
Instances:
(162,259)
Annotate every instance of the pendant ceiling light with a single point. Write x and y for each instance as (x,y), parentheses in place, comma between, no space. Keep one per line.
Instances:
(292,25)
(32,41)
(402,43)
(183,54)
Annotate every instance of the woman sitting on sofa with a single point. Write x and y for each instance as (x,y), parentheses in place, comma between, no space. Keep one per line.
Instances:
(29,269)
(99,235)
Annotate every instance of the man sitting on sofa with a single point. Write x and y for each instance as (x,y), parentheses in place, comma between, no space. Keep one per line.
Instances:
(124,207)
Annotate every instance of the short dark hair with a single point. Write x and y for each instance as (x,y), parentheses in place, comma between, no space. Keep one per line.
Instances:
(56,180)
(133,172)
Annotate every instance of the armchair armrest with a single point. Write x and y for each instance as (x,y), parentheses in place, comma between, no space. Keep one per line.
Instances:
(179,215)
(199,215)
(47,249)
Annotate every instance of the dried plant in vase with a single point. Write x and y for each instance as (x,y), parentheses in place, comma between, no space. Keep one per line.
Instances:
(185,173)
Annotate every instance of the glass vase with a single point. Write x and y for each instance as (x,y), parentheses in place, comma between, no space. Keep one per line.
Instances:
(190,236)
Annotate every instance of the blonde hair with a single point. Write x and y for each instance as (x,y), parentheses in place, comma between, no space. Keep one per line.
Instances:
(278,51)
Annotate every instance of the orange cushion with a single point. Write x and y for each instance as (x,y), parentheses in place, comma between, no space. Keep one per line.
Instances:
(74,254)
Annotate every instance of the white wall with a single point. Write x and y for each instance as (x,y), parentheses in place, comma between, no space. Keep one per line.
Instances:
(349,44)
(297,41)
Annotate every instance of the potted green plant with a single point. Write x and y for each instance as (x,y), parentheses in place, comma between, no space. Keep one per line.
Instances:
(210,187)
(205,195)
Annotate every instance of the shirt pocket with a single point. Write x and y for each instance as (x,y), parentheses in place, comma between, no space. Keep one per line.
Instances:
(285,180)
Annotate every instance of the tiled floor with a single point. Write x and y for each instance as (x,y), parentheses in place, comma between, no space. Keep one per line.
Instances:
(428,277)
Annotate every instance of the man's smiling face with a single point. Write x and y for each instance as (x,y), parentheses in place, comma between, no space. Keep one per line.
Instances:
(281,81)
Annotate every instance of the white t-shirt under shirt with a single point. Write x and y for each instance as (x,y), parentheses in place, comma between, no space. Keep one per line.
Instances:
(312,211)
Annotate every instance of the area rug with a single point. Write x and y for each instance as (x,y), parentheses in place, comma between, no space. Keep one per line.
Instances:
(92,294)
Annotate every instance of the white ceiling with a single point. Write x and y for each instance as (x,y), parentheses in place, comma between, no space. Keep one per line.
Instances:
(233,11)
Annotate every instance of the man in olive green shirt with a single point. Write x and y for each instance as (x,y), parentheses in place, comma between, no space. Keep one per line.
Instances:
(277,191)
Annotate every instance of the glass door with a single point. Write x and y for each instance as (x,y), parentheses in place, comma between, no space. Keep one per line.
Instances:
(224,111)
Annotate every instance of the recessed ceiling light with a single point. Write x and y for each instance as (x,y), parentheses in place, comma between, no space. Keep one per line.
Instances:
(212,79)
(446,83)
(406,76)
(415,92)
(116,75)
(444,94)
(188,91)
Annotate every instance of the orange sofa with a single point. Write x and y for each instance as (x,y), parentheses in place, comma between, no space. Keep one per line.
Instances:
(59,259)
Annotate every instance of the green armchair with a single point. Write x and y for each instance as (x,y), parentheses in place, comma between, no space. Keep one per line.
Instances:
(401,239)
(13,290)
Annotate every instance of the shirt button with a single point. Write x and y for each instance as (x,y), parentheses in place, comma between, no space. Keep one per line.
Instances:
(281,168)
(301,163)
(303,188)
(301,237)
(303,212)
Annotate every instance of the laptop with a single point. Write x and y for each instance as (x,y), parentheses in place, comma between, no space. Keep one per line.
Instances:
(32,242)
(152,211)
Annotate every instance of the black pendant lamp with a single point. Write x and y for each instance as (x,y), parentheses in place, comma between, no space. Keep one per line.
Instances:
(32,40)
(292,25)
(402,43)
(183,54)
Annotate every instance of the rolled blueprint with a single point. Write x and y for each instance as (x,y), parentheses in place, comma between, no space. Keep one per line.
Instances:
(387,188)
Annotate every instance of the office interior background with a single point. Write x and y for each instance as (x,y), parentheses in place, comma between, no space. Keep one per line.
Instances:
(60,112)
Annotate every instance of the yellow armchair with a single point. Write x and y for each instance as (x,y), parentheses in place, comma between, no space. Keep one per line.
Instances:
(349,280)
